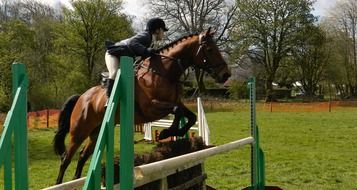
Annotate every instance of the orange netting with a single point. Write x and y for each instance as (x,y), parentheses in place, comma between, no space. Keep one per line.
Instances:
(48,118)
(43,119)
(210,105)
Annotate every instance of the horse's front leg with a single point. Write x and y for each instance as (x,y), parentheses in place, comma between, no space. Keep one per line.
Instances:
(179,112)
(191,119)
(172,130)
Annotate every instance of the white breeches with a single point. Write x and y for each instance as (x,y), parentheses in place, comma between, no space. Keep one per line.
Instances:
(112,63)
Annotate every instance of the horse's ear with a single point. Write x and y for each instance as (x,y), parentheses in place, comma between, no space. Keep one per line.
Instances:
(208,32)
(211,31)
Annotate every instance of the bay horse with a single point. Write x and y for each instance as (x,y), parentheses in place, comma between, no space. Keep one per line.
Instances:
(157,93)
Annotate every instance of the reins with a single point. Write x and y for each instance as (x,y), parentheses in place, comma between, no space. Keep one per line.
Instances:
(179,63)
(175,60)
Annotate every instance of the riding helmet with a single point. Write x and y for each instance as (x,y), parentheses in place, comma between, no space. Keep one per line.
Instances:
(155,23)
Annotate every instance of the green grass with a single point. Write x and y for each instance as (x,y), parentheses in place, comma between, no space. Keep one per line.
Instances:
(304,151)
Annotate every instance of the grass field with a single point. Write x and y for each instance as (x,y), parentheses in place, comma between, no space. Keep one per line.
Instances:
(304,151)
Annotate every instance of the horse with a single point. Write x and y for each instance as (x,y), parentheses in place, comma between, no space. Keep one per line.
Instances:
(158,91)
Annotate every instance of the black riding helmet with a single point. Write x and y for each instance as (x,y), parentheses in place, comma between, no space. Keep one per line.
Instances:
(155,23)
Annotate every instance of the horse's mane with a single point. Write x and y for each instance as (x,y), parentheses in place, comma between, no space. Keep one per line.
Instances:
(167,46)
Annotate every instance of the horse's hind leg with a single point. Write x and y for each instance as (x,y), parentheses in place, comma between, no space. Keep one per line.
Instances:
(66,160)
(86,152)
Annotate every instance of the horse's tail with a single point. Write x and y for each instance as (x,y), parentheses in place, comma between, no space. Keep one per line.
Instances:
(64,124)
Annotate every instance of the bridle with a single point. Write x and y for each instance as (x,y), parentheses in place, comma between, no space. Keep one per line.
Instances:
(208,64)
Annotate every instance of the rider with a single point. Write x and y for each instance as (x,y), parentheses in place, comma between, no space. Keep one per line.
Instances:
(138,45)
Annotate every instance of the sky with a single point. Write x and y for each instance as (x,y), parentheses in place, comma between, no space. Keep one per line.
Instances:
(322,6)
(137,9)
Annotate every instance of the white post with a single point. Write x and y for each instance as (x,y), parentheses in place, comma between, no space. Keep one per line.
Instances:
(199,117)
(203,129)
(147,131)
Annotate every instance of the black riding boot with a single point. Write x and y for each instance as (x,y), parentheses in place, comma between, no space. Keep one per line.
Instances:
(110,83)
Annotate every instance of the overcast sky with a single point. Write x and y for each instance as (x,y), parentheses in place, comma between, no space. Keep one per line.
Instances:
(137,7)
(138,10)
(322,7)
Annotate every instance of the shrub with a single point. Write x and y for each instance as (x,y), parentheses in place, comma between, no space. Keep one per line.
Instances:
(4,101)
(238,90)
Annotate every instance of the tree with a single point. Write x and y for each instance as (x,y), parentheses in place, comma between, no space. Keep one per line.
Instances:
(4,10)
(88,25)
(16,41)
(311,56)
(344,31)
(62,51)
(339,69)
(272,27)
(189,17)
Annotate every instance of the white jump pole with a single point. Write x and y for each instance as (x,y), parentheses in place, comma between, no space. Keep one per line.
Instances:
(70,185)
(153,171)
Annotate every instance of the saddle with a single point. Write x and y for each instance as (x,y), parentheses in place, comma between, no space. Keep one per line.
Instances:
(105,74)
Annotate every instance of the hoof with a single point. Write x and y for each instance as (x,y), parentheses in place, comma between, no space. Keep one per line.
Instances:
(164,134)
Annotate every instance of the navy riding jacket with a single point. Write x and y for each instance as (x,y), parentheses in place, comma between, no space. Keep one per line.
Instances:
(137,45)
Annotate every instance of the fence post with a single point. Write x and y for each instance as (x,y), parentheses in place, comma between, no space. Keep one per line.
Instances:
(127,124)
(20,132)
(47,118)
(257,154)
(271,106)
(123,92)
